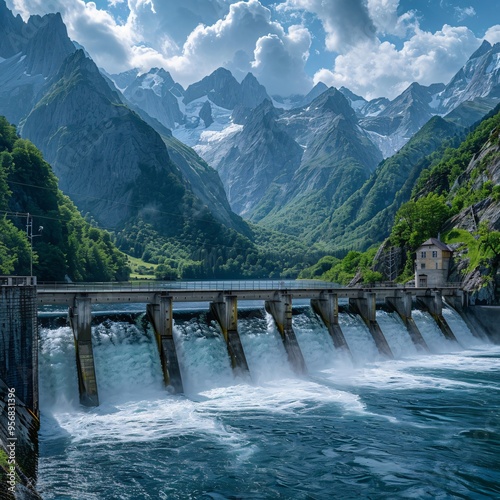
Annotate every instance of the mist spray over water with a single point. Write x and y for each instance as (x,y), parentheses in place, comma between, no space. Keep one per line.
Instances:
(353,428)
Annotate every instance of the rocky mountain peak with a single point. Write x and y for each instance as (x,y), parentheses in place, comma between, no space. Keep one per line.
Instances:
(12,40)
(479,78)
(78,68)
(333,101)
(252,92)
(49,46)
(351,96)
(165,78)
(483,49)
(220,87)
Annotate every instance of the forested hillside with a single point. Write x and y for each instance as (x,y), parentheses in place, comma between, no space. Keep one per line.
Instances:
(457,196)
(67,245)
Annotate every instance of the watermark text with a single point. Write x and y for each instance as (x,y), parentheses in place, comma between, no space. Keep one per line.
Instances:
(11,440)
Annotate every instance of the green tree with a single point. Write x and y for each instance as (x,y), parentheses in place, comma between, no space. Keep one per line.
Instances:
(489,239)
(417,221)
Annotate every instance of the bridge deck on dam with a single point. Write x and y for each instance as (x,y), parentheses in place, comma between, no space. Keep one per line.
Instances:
(207,291)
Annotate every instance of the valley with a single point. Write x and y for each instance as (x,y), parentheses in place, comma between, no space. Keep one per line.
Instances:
(221,179)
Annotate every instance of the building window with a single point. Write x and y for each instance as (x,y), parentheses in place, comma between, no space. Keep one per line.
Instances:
(436,265)
(422,265)
(434,253)
(422,281)
(423,255)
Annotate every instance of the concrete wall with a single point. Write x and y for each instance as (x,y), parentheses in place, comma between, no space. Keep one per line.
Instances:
(19,342)
(487,318)
(19,421)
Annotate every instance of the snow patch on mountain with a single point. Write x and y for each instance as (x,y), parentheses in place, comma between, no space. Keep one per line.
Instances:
(153,82)
(190,133)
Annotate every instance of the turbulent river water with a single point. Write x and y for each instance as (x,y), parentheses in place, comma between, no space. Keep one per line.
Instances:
(425,425)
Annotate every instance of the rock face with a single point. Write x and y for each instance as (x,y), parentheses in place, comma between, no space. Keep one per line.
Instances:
(158,95)
(13,39)
(28,61)
(222,89)
(400,119)
(96,145)
(262,156)
(252,93)
(287,169)
(206,114)
(480,77)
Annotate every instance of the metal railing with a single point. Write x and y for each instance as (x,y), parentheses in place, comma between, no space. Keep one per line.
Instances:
(17,280)
(139,286)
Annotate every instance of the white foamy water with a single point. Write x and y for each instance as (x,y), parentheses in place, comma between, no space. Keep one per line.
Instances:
(134,372)
(396,334)
(432,334)
(203,358)
(358,338)
(277,435)
(460,329)
(264,350)
(315,342)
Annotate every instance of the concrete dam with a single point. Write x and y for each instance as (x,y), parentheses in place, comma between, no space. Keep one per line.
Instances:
(224,303)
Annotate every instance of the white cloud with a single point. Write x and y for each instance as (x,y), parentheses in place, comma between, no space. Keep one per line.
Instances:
(247,39)
(279,62)
(346,22)
(463,13)
(493,34)
(384,14)
(375,69)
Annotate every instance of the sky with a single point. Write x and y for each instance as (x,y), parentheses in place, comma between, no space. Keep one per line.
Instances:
(376,48)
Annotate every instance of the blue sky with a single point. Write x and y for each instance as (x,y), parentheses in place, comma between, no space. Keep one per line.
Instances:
(373,47)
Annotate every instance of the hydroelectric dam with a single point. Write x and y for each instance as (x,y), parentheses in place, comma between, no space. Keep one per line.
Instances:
(185,337)
(223,299)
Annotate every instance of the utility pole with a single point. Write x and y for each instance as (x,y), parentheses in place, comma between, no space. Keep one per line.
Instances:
(30,235)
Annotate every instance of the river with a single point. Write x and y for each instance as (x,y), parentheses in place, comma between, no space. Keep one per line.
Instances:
(424,425)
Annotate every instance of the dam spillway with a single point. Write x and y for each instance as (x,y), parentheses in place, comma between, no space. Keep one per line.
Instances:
(268,432)
(223,298)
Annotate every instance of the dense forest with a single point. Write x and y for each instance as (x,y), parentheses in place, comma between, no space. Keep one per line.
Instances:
(64,244)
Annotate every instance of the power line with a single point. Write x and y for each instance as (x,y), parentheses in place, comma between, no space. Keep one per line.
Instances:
(107,200)
(262,250)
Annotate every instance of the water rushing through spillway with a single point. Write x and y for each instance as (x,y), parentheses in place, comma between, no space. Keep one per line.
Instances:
(424,425)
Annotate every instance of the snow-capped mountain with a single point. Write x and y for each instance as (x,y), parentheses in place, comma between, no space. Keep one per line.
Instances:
(480,77)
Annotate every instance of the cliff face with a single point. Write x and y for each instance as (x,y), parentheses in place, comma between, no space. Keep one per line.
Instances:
(33,51)
(158,95)
(482,176)
(95,144)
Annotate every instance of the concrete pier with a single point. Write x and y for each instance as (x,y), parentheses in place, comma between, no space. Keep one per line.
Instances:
(80,319)
(402,303)
(225,310)
(433,303)
(280,308)
(160,315)
(365,305)
(327,308)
